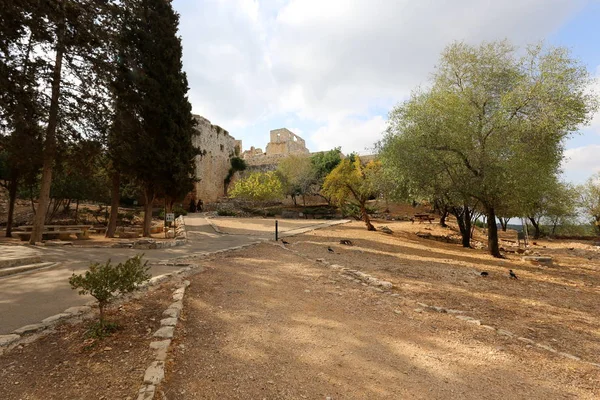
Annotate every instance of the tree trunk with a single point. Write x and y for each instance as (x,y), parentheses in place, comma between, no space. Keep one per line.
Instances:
(50,142)
(443,216)
(77,211)
(149,197)
(12,198)
(365,217)
(504,223)
(536,227)
(463,218)
(492,232)
(114,205)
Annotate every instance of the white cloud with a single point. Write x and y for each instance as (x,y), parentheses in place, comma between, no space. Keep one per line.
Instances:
(583,159)
(350,133)
(335,63)
(595,123)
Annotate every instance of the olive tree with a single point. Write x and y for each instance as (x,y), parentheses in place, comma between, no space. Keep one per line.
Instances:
(494,119)
(590,199)
(354,182)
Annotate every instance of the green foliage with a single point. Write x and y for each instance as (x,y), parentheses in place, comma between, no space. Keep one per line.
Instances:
(589,199)
(325,162)
(298,176)
(105,281)
(258,187)
(491,126)
(351,181)
(237,165)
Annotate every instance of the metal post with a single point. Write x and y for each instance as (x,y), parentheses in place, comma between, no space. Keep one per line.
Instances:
(276,230)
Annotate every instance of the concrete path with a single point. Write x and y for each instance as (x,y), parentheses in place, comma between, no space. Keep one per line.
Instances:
(29,298)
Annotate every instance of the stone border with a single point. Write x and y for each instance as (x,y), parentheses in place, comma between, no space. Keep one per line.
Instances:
(29,333)
(385,287)
(155,373)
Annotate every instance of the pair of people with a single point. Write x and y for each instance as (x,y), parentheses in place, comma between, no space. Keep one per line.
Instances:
(196,207)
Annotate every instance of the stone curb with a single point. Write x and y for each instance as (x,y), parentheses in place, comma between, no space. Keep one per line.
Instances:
(368,280)
(215,227)
(155,373)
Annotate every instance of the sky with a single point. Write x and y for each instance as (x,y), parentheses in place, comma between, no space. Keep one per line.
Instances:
(331,70)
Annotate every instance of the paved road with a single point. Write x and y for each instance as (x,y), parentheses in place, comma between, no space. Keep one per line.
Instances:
(29,298)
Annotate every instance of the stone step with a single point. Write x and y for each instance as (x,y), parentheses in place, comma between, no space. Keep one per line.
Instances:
(25,268)
(16,261)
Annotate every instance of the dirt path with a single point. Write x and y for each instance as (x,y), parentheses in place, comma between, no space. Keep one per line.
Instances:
(265,323)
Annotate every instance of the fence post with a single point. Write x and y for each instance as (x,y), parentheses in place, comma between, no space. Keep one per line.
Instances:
(276,230)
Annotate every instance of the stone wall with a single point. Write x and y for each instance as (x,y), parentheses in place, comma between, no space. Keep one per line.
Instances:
(213,164)
(285,142)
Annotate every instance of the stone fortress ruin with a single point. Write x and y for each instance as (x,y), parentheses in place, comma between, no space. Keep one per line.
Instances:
(218,147)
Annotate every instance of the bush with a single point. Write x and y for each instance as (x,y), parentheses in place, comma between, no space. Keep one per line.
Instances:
(105,281)
(227,213)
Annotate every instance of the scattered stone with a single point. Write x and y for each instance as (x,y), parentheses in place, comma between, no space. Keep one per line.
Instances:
(55,318)
(488,327)
(29,328)
(186,283)
(504,332)
(178,296)
(571,356)
(525,340)
(77,310)
(155,373)
(162,344)
(387,230)
(423,305)
(386,285)
(321,260)
(418,310)
(56,243)
(543,346)
(5,340)
(178,305)
(397,312)
(465,318)
(164,332)
(451,311)
(439,309)
(474,321)
(168,322)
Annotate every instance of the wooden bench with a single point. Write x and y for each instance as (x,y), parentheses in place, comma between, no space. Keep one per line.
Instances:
(62,232)
(422,217)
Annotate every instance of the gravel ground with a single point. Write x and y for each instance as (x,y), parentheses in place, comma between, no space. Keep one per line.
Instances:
(266,323)
(66,365)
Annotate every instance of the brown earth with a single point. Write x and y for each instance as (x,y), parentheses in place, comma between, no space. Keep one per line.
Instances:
(268,323)
(66,365)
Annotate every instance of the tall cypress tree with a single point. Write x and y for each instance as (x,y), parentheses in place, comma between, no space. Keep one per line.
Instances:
(163,162)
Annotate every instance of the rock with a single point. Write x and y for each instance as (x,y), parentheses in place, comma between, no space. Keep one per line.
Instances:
(525,340)
(165,332)
(543,346)
(386,285)
(465,318)
(155,373)
(55,318)
(474,321)
(186,283)
(178,296)
(571,356)
(387,230)
(321,260)
(504,332)
(418,310)
(488,327)
(161,344)
(5,340)
(77,310)
(538,259)
(178,305)
(168,322)
(56,243)
(423,305)
(29,328)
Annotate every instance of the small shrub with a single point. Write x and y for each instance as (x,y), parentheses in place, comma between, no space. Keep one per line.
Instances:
(227,213)
(105,281)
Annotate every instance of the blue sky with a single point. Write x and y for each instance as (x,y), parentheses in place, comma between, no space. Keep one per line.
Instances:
(331,70)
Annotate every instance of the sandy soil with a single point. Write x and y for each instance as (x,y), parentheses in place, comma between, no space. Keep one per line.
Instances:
(266,323)
(263,227)
(66,365)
